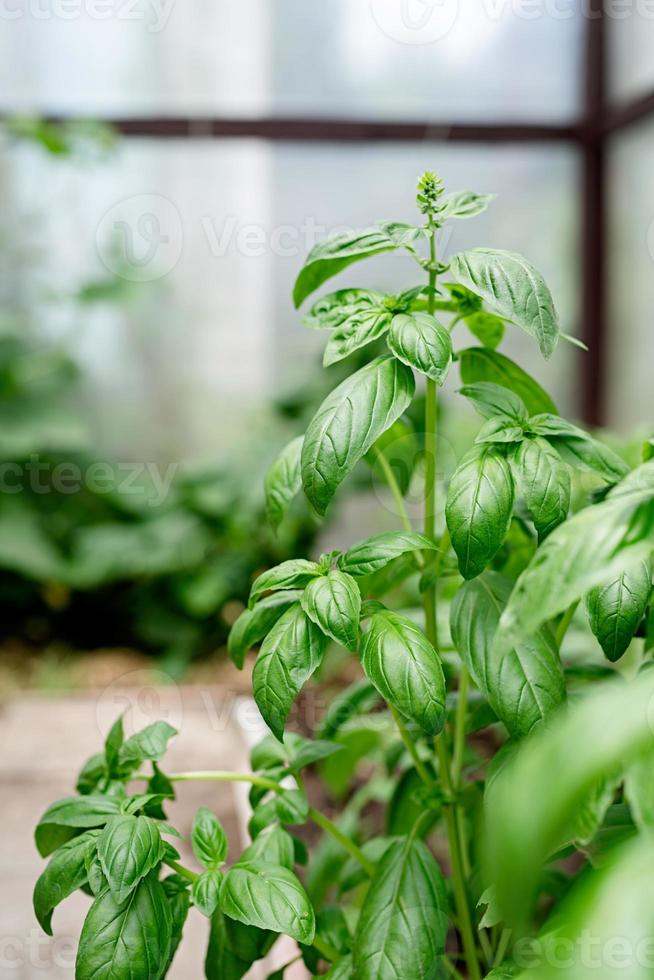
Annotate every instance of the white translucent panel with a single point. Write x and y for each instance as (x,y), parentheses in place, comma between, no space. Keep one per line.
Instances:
(631,50)
(630,355)
(433,59)
(188,358)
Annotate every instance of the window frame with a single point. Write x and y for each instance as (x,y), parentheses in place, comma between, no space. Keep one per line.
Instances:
(590,135)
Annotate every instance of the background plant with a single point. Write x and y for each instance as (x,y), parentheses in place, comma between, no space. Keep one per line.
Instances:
(494,819)
(92,551)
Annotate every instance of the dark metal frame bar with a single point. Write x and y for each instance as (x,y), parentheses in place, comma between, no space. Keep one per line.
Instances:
(590,134)
(292,128)
(593,223)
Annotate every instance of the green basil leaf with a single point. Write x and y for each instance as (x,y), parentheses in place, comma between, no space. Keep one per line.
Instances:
(112,745)
(126,939)
(96,879)
(129,848)
(205,892)
(578,448)
(310,752)
(612,906)
(352,873)
(288,657)
(174,884)
(161,786)
(586,550)
(258,793)
(274,846)
(639,790)
(333,930)
(481,364)
(283,481)
(402,234)
(148,745)
(221,962)
(333,309)
(269,897)
(463,204)
(355,332)
(333,603)
(65,818)
(300,850)
(349,421)
(292,806)
(65,873)
(545,484)
(465,302)
(360,741)
(407,804)
(292,574)
(649,629)
(208,839)
(403,923)
(491,400)
(532,803)
(479,508)
(370,555)
(420,341)
(491,916)
(400,449)
(253,624)
(507,971)
(263,816)
(405,668)
(513,289)
(92,774)
(166,828)
(343,969)
(616,608)
(179,902)
(248,942)
(486,327)
(140,802)
(269,753)
(592,811)
(524,685)
(170,853)
(500,431)
(330,257)
(356,699)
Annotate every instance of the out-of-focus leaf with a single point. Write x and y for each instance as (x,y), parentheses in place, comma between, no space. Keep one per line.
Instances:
(529,813)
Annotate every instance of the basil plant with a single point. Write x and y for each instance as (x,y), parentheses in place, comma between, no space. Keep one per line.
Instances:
(481,798)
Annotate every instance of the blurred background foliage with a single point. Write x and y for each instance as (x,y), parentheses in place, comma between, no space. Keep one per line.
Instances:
(96,552)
